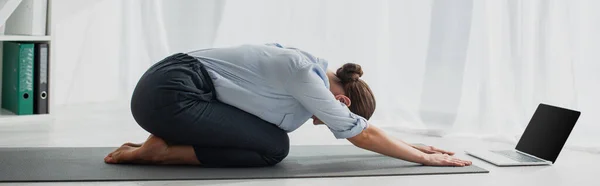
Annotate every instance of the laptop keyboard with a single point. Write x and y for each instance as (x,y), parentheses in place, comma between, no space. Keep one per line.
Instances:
(514,155)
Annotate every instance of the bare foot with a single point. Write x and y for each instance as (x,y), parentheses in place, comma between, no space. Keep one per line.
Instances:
(151,152)
(122,152)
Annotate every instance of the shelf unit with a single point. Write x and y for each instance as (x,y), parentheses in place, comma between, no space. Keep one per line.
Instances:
(9,117)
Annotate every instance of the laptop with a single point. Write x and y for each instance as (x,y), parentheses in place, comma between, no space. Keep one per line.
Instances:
(541,142)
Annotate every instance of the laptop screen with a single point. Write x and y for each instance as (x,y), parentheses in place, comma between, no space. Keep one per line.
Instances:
(548,131)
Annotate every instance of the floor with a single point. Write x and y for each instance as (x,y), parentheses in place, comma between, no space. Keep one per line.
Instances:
(77,127)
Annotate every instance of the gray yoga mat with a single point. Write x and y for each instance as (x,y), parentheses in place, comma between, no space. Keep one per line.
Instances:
(86,164)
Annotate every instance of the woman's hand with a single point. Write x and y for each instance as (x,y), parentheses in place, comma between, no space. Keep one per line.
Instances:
(445,160)
(439,157)
(431,150)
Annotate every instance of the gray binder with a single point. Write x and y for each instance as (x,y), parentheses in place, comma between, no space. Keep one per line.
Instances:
(40,103)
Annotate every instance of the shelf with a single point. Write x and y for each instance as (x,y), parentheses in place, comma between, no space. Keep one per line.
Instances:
(23,38)
(9,117)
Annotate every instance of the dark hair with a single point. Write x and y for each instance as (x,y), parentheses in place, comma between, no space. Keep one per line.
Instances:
(361,97)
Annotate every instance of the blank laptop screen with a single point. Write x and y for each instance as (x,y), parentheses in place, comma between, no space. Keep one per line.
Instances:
(547,131)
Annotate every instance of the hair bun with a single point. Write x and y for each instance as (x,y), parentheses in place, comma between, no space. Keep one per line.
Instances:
(350,72)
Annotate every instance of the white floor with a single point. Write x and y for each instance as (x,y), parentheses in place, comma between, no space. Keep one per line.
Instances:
(77,127)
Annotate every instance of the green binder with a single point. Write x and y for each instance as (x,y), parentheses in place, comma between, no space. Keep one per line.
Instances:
(17,77)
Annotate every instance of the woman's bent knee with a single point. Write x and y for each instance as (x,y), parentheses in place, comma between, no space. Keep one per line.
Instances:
(277,155)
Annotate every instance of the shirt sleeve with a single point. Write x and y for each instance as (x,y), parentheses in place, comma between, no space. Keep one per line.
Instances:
(308,87)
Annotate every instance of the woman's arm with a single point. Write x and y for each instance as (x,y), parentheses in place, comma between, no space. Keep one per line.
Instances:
(374,139)
(309,89)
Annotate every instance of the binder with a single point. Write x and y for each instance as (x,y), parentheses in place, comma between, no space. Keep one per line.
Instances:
(40,79)
(17,77)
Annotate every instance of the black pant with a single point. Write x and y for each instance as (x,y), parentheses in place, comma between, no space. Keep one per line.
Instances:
(176,101)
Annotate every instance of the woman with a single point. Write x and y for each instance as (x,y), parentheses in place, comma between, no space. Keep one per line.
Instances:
(233,107)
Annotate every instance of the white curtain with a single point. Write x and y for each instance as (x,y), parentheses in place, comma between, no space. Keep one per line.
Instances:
(102,47)
(475,68)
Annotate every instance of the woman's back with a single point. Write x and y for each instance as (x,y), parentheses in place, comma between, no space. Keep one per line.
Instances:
(253,78)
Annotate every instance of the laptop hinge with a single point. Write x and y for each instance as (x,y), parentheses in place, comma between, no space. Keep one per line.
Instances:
(530,155)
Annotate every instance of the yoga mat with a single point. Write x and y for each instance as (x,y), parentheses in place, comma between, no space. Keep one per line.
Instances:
(86,164)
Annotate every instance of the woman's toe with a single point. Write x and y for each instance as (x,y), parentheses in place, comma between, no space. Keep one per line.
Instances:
(113,152)
(116,157)
(108,159)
